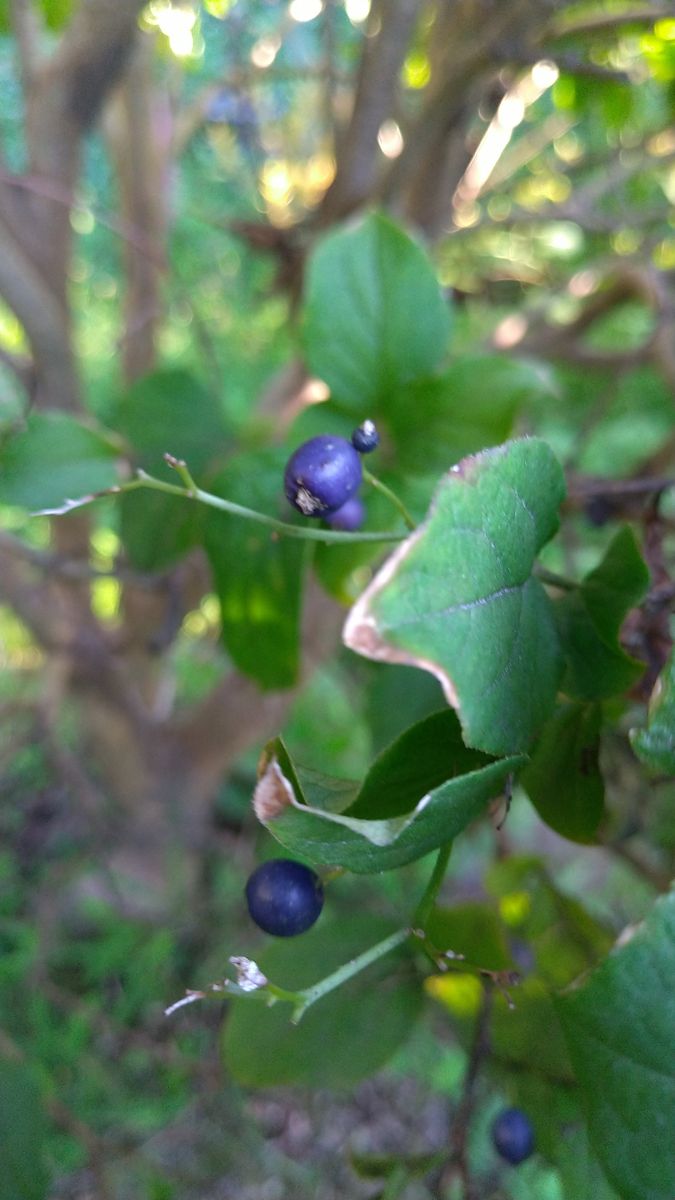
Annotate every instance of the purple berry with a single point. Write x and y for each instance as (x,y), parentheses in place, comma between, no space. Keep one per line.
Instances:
(365,438)
(284,897)
(513,1135)
(321,475)
(349,517)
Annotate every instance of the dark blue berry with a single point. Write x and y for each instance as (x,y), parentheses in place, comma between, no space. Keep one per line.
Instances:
(513,1135)
(351,516)
(284,897)
(365,438)
(321,475)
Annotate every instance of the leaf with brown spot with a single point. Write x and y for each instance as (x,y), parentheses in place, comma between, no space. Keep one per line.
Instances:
(458,598)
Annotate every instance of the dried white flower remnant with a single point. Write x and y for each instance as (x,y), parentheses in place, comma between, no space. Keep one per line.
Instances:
(249,976)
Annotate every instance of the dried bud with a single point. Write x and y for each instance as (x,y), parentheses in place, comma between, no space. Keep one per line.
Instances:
(249,976)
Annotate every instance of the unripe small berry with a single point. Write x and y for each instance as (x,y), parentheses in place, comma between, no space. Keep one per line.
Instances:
(365,439)
(349,517)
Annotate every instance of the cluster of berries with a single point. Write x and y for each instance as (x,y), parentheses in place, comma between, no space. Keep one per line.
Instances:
(323,477)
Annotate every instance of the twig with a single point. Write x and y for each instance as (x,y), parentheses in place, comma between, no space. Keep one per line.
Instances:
(661,880)
(457,1163)
(27,33)
(564,27)
(192,492)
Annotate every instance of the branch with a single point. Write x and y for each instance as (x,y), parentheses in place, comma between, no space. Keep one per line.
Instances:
(457,1163)
(636,280)
(377,85)
(64,99)
(87,63)
(422,179)
(33,604)
(22,368)
(139,127)
(27,31)
(563,26)
(236,713)
(44,320)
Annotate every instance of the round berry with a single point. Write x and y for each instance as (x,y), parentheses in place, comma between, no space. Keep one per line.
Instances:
(322,474)
(349,517)
(513,1135)
(365,438)
(284,897)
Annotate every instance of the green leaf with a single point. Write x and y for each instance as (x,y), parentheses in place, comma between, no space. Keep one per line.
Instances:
(156,529)
(57,13)
(457,598)
(419,794)
(435,422)
(590,619)
(529,1036)
(563,939)
(563,779)
(54,459)
(655,745)
(473,930)
(23,1134)
(348,1034)
(396,697)
(580,1172)
(619,1028)
(171,412)
(362,332)
(343,570)
(258,578)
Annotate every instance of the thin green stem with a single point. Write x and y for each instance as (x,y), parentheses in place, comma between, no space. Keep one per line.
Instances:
(391,497)
(347,971)
(426,904)
(555,580)
(192,492)
(181,468)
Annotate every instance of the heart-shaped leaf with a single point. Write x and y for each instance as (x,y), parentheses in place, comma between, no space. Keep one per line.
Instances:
(458,598)
(419,794)
(366,289)
(619,1026)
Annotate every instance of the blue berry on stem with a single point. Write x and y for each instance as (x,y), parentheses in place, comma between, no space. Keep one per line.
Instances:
(284,897)
(366,438)
(513,1135)
(349,517)
(322,474)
